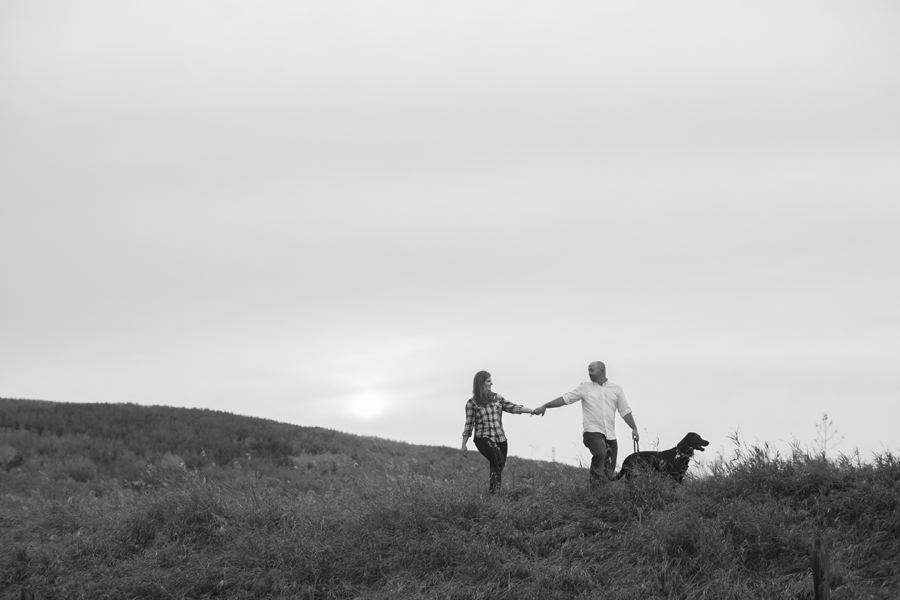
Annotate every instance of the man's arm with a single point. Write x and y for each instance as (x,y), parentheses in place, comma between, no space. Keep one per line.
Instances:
(555,403)
(634,430)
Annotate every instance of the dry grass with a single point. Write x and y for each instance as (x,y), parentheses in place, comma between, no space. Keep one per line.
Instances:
(743,531)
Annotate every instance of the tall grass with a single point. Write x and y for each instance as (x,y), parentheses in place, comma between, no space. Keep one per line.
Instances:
(743,530)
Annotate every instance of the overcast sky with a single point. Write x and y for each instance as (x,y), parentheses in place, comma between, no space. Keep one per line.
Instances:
(334,213)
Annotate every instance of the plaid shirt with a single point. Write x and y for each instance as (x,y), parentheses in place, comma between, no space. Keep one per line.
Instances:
(487,419)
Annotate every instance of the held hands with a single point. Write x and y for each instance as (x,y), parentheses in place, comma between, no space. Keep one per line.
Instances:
(539,411)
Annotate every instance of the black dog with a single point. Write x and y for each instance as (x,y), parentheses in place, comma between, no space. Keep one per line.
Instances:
(672,462)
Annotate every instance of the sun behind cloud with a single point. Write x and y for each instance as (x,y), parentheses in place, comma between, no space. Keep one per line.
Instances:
(367,404)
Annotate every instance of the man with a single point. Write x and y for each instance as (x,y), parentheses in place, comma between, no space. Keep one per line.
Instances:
(600,399)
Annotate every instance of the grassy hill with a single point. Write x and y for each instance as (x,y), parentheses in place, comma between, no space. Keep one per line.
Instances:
(123,501)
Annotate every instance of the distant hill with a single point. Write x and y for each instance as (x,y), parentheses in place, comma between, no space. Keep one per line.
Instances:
(86,441)
(89,442)
(199,436)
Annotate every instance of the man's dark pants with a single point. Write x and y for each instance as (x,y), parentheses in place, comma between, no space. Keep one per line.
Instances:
(603,455)
(495,452)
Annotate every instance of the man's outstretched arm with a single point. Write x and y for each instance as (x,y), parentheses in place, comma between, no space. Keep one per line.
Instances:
(556,403)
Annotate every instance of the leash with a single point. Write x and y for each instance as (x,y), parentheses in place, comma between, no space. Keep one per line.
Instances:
(637,447)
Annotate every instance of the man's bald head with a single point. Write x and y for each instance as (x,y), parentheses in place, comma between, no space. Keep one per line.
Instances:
(597,372)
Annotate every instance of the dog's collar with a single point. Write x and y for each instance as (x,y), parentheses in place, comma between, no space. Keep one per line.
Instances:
(679,454)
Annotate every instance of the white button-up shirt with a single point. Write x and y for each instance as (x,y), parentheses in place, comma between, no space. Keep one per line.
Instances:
(599,404)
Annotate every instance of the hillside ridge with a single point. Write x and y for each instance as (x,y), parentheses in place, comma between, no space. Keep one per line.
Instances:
(324,515)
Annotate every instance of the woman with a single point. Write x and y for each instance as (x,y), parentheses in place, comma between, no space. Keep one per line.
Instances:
(484,415)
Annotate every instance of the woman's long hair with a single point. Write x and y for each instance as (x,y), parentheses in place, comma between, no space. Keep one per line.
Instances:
(480,392)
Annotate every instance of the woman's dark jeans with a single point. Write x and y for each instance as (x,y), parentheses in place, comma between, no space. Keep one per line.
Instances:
(603,455)
(495,452)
